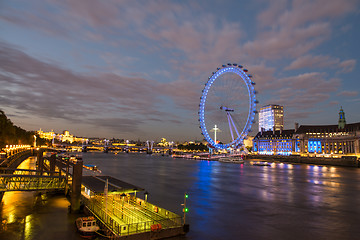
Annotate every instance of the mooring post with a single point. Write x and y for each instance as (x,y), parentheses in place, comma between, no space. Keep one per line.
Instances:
(76,186)
(40,161)
(52,164)
(67,176)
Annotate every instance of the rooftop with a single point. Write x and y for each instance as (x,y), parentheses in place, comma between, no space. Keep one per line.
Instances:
(97,185)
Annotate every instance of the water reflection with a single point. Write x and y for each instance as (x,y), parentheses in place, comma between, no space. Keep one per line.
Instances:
(31,215)
(226,201)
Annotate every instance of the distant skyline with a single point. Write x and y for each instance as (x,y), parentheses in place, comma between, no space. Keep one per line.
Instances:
(136,69)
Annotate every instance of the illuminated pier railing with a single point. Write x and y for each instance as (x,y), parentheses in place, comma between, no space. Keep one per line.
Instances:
(19,171)
(126,215)
(14,156)
(9,182)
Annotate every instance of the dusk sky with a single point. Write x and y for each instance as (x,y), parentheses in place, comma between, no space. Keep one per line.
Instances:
(136,69)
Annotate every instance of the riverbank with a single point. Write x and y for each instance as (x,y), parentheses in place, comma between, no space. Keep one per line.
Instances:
(344,162)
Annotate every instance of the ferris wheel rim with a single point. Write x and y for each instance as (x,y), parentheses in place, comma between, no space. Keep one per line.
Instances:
(238,69)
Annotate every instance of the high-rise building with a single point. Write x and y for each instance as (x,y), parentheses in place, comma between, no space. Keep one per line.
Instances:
(271,117)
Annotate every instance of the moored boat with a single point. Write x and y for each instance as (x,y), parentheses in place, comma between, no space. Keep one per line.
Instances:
(261,164)
(231,160)
(91,167)
(86,226)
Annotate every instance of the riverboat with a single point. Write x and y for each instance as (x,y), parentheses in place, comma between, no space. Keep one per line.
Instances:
(91,167)
(261,164)
(231,160)
(87,226)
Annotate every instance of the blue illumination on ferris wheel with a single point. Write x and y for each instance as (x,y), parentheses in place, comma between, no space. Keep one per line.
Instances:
(239,137)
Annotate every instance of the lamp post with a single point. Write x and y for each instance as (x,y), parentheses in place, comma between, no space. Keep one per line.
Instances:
(34,141)
(146,196)
(122,207)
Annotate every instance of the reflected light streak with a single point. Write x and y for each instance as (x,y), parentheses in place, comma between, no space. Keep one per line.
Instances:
(316,198)
(267,195)
(325,183)
(11,218)
(27,229)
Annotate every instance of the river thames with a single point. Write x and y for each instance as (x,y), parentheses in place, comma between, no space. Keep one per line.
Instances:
(226,201)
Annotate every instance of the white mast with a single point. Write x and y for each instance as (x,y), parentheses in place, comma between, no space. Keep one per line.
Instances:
(215,129)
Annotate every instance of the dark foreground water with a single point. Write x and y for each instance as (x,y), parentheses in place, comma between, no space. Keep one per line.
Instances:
(226,201)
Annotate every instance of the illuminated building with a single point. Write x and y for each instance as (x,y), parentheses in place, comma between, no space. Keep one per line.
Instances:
(271,117)
(329,139)
(274,142)
(340,139)
(66,136)
(47,135)
(248,142)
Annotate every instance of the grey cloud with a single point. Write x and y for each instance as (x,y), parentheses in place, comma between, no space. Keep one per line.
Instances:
(309,61)
(304,91)
(348,65)
(53,92)
(348,93)
(118,125)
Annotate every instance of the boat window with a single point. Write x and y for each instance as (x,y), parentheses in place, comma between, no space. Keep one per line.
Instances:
(89,224)
(84,224)
(94,223)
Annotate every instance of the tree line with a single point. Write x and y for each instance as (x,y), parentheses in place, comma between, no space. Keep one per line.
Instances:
(11,134)
(193,147)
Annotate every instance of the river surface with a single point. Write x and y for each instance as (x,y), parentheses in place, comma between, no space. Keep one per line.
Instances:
(226,201)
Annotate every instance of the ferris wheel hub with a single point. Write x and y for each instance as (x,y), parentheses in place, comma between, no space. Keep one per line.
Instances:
(226,109)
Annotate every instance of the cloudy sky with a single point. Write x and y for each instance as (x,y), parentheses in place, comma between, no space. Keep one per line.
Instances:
(135,69)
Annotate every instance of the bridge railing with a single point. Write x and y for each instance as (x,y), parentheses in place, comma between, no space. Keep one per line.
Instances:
(9,182)
(19,171)
(7,162)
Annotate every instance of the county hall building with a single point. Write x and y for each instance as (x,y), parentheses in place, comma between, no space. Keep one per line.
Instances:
(340,139)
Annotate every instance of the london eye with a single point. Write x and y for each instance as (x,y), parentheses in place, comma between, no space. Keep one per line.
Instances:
(227,107)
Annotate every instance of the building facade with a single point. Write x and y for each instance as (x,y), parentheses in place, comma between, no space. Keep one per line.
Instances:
(64,137)
(46,135)
(340,139)
(328,139)
(274,142)
(271,117)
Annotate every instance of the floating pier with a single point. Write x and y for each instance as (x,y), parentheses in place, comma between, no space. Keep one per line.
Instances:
(114,203)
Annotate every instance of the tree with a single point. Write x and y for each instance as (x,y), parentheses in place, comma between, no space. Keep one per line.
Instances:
(13,135)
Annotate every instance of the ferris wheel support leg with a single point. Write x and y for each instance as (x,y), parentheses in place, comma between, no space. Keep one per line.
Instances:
(231,132)
(234,126)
